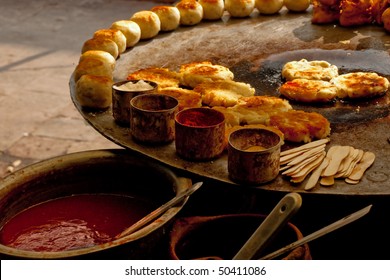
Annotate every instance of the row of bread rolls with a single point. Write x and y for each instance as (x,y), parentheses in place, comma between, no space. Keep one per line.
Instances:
(94,73)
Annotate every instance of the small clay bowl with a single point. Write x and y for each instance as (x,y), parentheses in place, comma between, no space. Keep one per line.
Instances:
(200,133)
(253,155)
(152,118)
(123,92)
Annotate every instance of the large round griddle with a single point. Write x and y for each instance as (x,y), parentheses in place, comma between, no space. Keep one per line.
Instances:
(255,49)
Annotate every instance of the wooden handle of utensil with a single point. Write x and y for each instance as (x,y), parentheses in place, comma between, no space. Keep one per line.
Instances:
(278,217)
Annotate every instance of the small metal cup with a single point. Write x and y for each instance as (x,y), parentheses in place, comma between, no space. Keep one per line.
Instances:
(253,155)
(121,100)
(152,118)
(200,133)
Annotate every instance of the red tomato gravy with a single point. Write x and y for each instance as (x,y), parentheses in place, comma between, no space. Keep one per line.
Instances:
(73,222)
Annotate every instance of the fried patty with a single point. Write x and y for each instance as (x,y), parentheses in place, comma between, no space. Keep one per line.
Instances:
(308,91)
(223,93)
(360,85)
(187,98)
(253,110)
(312,70)
(196,73)
(300,126)
(163,77)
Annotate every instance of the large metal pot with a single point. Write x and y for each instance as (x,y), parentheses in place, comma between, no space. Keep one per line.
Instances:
(99,171)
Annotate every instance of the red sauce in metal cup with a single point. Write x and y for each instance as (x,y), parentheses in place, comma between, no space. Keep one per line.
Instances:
(200,118)
(73,222)
(200,133)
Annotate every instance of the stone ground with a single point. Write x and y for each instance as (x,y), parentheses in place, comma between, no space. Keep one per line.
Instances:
(40,43)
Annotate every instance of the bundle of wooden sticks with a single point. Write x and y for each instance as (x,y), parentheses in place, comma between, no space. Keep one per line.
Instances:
(313,162)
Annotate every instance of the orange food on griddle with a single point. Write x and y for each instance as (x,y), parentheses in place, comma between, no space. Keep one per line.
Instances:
(163,77)
(308,91)
(301,126)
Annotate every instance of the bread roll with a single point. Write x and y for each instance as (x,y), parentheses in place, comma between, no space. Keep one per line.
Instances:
(113,34)
(212,9)
(130,29)
(269,7)
(92,66)
(102,44)
(169,17)
(191,12)
(149,23)
(297,5)
(240,8)
(101,55)
(94,92)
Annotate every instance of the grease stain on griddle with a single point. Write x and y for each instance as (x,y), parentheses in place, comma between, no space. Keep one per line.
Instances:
(266,79)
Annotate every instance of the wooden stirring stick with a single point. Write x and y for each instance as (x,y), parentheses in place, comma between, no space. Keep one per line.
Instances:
(362,166)
(159,211)
(315,176)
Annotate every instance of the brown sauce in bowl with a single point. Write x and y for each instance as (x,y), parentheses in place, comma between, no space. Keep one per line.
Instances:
(73,222)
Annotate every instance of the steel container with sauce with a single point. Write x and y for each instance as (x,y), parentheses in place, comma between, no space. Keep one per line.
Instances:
(103,174)
(123,92)
(200,133)
(254,155)
(152,118)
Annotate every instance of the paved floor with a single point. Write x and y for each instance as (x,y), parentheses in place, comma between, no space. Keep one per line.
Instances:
(40,43)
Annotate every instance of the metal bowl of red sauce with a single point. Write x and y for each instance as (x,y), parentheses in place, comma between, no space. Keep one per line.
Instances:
(75,206)
(200,133)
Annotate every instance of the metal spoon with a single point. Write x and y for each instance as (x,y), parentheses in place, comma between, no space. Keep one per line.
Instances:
(275,221)
(159,211)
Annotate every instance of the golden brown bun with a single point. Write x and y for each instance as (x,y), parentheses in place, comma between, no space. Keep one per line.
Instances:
(101,55)
(195,73)
(297,5)
(300,126)
(309,91)
(240,8)
(130,29)
(191,12)
(212,9)
(149,23)
(93,66)
(163,77)
(269,7)
(169,17)
(94,92)
(187,98)
(112,34)
(102,44)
